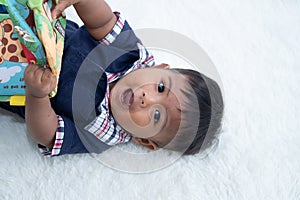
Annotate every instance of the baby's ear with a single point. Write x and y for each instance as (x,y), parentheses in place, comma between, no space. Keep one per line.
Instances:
(162,66)
(145,143)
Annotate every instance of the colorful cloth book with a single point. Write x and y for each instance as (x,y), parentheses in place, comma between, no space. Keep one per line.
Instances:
(28,34)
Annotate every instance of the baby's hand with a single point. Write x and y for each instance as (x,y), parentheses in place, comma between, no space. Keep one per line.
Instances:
(39,81)
(61,6)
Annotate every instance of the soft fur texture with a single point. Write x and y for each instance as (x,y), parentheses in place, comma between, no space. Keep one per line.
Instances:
(255,47)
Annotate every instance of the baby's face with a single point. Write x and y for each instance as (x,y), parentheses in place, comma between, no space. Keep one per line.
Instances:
(146,102)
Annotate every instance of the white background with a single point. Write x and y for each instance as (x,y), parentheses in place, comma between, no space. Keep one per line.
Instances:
(255,46)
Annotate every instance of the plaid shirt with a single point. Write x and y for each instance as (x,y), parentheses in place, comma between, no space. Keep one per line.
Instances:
(104,126)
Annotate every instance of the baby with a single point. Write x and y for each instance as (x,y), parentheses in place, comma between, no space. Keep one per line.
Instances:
(110,91)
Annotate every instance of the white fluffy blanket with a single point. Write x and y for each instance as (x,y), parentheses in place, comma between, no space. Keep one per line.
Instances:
(255,46)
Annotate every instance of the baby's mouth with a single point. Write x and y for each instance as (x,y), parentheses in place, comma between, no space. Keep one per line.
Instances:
(127,98)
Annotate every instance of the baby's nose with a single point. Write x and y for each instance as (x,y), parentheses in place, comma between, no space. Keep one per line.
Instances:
(147,99)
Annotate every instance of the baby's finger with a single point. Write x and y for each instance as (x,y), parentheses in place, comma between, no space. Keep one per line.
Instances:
(60,7)
(38,73)
(31,68)
(49,83)
(47,74)
(53,83)
(29,73)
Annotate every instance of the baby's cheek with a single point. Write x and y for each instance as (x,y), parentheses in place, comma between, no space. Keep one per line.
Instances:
(139,118)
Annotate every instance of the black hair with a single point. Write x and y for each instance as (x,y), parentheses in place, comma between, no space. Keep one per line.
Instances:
(201,114)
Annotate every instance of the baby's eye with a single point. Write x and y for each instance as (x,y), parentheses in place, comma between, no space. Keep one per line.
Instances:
(156,116)
(161,87)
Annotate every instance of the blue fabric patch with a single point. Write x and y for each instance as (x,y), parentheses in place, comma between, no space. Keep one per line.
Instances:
(3,9)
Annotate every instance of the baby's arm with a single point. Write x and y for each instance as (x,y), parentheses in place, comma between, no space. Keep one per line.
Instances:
(41,119)
(95,14)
